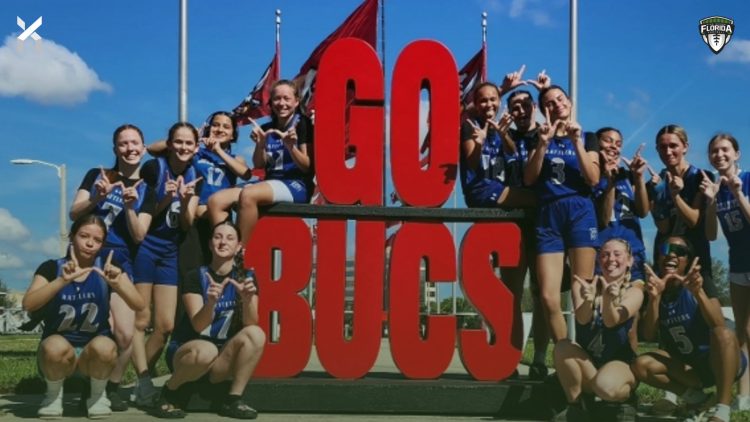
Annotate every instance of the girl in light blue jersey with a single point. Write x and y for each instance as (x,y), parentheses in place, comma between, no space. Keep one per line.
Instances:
(728,199)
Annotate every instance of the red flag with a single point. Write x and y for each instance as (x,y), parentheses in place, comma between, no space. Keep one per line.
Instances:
(473,74)
(362,23)
(256,104)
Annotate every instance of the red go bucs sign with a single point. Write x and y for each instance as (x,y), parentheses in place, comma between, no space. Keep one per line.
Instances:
(421,65)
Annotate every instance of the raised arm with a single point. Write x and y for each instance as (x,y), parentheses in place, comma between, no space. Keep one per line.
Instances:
(616,311)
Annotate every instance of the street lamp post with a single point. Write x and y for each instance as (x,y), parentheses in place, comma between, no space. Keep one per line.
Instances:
(63,207)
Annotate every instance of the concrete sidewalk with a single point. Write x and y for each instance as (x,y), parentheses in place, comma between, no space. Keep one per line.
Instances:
(376,393)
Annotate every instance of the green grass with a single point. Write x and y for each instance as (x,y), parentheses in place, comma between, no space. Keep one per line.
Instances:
(18,370)
(646,393)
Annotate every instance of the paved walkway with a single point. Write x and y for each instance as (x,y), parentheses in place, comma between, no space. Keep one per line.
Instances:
(20,407)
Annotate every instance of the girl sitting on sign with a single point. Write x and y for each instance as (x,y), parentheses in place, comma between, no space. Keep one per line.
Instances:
(283,147)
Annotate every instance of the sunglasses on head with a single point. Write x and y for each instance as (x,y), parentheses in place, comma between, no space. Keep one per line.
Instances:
(674,248)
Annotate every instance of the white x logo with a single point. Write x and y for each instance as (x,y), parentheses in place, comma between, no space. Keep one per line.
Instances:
(31,30)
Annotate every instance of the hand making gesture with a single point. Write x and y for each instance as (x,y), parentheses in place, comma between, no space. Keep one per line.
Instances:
(675,183)
(587,288)
(541,82)
(709,188)
(71,270)
(103,185)
(693,280)
(130,194)
(513,80)
(654,284)
(186,191)
(246,289)
(110,273)
(215,289)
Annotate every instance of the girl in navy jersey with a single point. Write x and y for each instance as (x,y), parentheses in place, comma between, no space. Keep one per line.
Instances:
(621,197)
(677,205)
(177,187)
(126,205)
(220,167)
(563,168)
(699,350)
(72,295)
(208,341)
(483,180)
(728,199)
(284,149)
(598,362)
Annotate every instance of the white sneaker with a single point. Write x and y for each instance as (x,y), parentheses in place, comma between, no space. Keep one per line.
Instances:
(51,406)
(741,403)
(144,393)
(98,407)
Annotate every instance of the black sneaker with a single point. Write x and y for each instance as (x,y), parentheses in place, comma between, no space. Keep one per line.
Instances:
(238,410)
(537,371)
(572,413)
(117,404)
(166,410)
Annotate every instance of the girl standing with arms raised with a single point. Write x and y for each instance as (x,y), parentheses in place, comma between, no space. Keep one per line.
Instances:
(126,205)
(563,168)
(177,187)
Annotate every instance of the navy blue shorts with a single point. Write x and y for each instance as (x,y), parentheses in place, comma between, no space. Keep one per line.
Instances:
(155,268)
(485,195)
(569,222)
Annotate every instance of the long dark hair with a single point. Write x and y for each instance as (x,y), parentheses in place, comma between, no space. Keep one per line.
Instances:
(210,120)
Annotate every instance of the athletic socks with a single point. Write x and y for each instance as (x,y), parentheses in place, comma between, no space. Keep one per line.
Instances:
(97,387)
(722,412)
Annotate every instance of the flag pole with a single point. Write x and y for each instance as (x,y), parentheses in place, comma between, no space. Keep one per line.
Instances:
(484,45)
(573,85)
(573,63)
(182,73)
(278,38)
(382,60)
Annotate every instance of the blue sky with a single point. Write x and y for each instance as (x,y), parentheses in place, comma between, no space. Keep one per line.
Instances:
(100,64)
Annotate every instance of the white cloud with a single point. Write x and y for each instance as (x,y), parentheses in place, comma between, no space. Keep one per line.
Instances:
(636,106)
(11,228)
(46,72)
(536,11)
(8,261)
(737,51)
(49,247)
